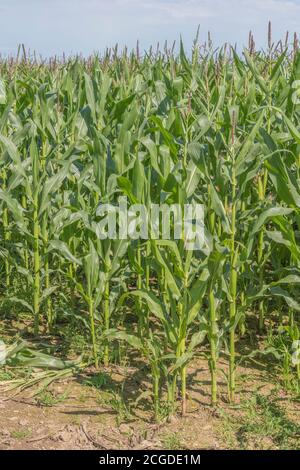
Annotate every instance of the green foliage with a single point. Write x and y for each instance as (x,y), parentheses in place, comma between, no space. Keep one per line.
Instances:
(217,129)
(47,398)
(261,424)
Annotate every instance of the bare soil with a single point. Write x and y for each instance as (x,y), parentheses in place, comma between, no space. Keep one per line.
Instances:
(83,416)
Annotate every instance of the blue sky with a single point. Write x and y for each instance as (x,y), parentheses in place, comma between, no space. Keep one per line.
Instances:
(83,26)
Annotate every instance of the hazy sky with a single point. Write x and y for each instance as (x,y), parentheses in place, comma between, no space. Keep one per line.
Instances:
(74,26)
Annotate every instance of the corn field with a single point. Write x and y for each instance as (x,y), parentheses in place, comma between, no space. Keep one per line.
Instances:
(218,127)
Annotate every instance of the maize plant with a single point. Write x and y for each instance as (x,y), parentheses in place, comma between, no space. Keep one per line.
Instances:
(81,138)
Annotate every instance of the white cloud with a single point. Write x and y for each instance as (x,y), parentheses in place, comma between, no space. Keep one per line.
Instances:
(54,26)
(170,11)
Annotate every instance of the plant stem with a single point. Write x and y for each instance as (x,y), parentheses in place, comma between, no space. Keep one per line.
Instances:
(93,334)
(183,389)
(213,348)
(139,287)
(233,282)
(6,233)
(260,248)
(156,395)
(36,266)
(47,275)
(6,239)
(106,321)
(180,352)
(26,254)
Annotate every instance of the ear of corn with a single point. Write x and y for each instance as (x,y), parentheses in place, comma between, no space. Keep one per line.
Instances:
(219,128)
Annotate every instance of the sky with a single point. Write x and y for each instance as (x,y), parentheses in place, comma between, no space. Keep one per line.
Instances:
(84,26)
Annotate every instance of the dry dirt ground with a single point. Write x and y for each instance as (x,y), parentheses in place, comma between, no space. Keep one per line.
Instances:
(82,413)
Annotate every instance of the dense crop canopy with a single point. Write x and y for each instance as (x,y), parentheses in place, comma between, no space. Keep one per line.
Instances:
(217,128)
